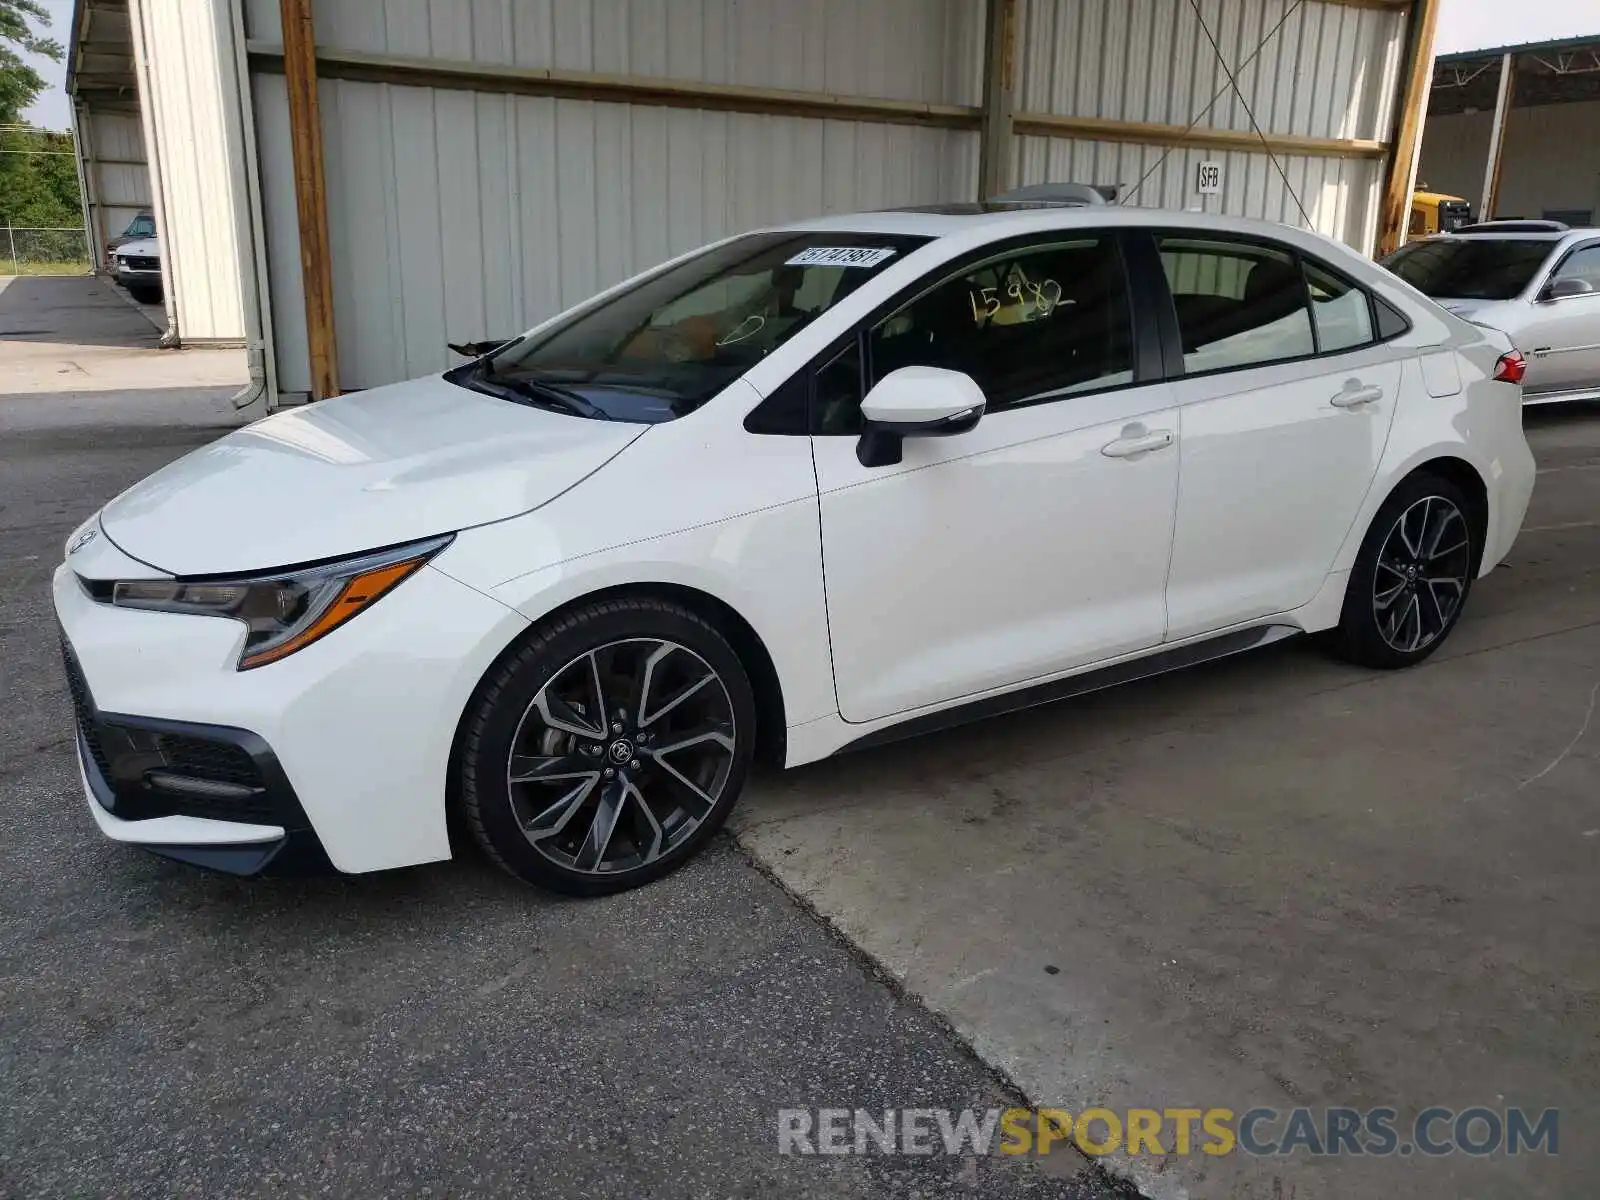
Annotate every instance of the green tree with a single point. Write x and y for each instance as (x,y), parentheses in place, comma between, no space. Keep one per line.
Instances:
(38,177)
(20,84)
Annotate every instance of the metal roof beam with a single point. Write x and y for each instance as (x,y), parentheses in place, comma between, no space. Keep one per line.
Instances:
(1105,130)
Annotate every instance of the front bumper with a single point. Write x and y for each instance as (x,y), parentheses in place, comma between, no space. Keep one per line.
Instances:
(129,277)
(205,794)
(340,752)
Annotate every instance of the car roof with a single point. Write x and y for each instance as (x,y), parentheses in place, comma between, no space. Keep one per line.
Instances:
(974,225)
(1552,236)
(999,220)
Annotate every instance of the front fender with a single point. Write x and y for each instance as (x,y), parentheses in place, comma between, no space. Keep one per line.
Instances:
(697,503)
(766,566)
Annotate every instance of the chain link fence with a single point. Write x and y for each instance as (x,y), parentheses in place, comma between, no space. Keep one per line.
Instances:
(63,250)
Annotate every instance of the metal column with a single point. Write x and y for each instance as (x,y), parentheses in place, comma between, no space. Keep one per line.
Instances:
(999,97)
(1497,137)
(1405,148)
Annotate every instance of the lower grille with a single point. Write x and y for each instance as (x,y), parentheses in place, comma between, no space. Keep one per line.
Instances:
(141,264)
(152,768)
(83,709)
(203,758)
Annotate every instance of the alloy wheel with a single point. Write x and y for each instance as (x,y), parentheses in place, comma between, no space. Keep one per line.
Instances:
(621,756)
(1422,574)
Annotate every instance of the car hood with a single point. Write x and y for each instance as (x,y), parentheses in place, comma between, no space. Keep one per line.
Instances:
(360,472)
(144,247)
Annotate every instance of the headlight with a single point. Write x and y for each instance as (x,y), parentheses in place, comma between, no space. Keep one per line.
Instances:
(284,611)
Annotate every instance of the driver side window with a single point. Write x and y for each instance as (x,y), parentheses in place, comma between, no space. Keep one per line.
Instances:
(1581,264)
(1028,325)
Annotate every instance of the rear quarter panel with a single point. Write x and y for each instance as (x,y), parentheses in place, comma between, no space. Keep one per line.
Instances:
(1479,422)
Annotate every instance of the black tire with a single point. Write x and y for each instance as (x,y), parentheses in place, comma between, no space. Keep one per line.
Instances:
(1374,634)
(535,699)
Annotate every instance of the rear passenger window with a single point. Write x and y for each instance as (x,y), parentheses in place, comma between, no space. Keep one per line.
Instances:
(1238,304)
(1390,323)
(1341,312)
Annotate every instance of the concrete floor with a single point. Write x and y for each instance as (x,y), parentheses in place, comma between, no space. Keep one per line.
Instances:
(66,339)
(441,1031)
(1277,880)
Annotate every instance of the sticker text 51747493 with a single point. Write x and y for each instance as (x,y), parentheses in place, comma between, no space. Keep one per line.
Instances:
(841,256)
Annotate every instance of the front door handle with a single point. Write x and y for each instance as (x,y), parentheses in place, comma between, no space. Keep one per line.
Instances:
(1143,443)
(1355,397)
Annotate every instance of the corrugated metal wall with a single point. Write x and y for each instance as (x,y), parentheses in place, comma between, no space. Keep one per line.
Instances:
(1328,71)
(199,193)
(1340,195)
(459,215)
(454,205)
(119,177)
(456,215)
(903,49)
(1551,160)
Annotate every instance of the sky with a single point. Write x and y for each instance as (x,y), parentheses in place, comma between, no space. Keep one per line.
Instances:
(1463,25)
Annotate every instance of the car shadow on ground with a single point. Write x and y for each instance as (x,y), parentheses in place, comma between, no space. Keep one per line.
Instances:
(1047,732)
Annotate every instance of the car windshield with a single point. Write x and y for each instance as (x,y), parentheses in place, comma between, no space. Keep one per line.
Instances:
(1470,268)
(141,226)
(662,348)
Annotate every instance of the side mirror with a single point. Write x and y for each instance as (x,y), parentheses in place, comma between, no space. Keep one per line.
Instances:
(915,402)
(1562,289)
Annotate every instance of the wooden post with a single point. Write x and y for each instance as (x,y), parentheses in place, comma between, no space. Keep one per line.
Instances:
(1497,136)
(1406,145)
(310,193)
(999,97)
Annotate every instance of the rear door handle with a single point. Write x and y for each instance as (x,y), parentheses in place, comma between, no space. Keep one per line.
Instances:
(1127,447)
(1355,397)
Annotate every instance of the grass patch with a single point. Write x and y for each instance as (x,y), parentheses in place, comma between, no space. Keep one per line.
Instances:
(43,268)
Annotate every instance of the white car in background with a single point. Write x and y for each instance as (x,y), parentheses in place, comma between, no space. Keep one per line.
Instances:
(803,490)
(137,267)
(1536,281)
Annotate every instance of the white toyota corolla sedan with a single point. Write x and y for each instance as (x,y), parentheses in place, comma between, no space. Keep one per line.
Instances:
(804,490)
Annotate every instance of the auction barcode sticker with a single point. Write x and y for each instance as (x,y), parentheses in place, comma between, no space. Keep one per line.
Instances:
(841,256)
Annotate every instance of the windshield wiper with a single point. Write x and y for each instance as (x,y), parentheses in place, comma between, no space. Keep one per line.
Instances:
(545,395)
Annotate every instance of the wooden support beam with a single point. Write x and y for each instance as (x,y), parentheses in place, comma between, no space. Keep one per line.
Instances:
(1103,129)
(310,194)
(1505,97)
(1411,109)
(407,71)
(999,97)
